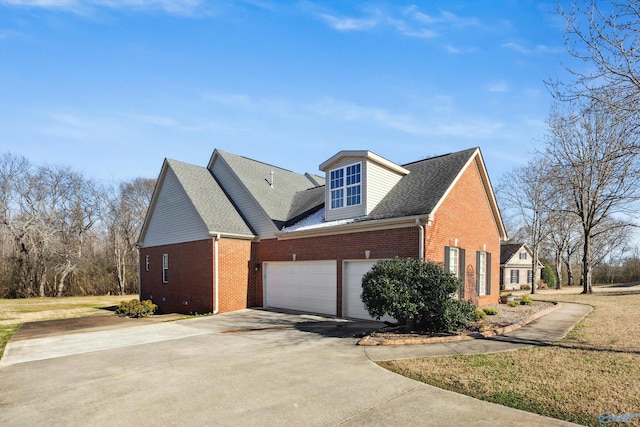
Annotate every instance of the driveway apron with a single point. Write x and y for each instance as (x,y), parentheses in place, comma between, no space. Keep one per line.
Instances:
(252,367)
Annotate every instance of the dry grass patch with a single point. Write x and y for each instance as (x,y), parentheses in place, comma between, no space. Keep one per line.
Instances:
(15,312)
(593,370)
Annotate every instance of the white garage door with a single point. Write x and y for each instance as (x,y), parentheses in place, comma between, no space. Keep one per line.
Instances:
(303,286)
(354,307)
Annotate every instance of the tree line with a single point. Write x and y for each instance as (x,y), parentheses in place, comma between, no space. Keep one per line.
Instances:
(578,197)
(62,233)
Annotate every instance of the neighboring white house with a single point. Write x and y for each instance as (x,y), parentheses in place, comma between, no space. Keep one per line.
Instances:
(516,261)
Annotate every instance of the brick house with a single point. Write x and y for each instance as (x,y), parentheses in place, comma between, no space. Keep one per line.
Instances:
(241,233)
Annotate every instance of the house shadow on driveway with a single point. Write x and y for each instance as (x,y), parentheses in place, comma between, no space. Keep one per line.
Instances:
(339,329)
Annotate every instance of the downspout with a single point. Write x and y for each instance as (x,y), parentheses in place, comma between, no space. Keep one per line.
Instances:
(420,239)
(215,267)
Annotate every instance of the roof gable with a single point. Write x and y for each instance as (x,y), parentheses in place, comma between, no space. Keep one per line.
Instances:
(279,193)
(423,189)
(188,204)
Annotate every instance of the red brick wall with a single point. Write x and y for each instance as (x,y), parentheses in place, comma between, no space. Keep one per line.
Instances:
(465,215)
(191,286)
(401,242)
(236,281)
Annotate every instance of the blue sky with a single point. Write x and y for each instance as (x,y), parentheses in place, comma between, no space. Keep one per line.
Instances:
(112,87)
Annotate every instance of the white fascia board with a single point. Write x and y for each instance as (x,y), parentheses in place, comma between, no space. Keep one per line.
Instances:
(365,154)
(358,226)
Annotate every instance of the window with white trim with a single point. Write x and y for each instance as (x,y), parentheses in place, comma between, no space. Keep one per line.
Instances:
(482,273)
(346,187)
(523,255)
(165,268)
(529,276)
(515,276)
(454,262)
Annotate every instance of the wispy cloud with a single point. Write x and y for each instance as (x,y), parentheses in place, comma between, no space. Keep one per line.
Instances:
(467,127)
(528,50)
(174,7)
(500,87)
(409,21)
(344,23)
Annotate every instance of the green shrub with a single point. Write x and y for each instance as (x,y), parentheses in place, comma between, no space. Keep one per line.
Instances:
(525,300)
(513,303)
(548,276)
(490,311)
(480,314)
(135,308)
(417,294)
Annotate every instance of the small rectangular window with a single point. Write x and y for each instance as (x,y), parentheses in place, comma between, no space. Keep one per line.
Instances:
(523,255)
(146,263)
(165,268)
(529,276)
(453,262)
(515,276)
(482,273)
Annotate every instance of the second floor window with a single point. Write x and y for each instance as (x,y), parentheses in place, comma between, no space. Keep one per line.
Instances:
(346,180)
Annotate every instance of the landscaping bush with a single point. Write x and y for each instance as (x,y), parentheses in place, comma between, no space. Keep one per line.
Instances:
(513,303)
(548,276)
(135,308)
(525,300)
(490,311)
(480,314)
(417,294)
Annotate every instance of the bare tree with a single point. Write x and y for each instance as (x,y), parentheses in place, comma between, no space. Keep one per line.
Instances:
(594,157)
(562,238)
(127,209)
(525,191)
(605,35)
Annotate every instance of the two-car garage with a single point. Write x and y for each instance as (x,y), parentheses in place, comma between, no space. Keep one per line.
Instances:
(312,286)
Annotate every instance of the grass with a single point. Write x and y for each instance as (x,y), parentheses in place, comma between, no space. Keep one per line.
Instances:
(15,312)
(592,371)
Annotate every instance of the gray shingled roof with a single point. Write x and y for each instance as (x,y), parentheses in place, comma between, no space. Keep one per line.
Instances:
(507,250)
(211,202)
(419,192)
(289,196)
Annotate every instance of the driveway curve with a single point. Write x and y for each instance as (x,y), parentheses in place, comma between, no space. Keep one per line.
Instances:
(251,367)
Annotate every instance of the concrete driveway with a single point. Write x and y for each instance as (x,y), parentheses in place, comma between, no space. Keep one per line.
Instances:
(252,367)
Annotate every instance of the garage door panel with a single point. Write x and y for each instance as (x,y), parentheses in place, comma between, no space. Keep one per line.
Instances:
(354,307)
(303,286)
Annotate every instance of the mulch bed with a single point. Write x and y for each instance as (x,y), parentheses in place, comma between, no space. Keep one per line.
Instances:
(507,320)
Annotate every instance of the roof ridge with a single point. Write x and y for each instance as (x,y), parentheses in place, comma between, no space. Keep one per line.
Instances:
(257,161)
(440,156)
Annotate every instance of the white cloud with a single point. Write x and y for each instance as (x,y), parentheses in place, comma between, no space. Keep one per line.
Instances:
(428,125)
(541,48)
(500,87)
(341,23)
(177,7)
(410,21)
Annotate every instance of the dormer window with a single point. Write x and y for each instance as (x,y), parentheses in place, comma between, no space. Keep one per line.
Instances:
(346,180)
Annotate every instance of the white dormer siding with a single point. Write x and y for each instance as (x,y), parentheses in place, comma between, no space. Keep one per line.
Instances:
(377,177)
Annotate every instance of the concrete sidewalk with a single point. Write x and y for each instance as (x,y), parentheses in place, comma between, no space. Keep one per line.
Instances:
(549,328)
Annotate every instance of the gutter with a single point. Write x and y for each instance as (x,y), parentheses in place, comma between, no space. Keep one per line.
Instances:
(354,227)
(421,223)
(216,239)
(420,239)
